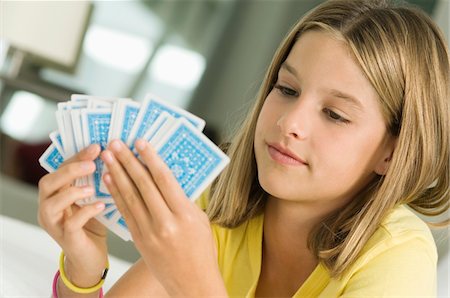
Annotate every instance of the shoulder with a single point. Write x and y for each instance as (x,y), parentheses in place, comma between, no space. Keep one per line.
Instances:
(401,226)
(232,238)
(399,259)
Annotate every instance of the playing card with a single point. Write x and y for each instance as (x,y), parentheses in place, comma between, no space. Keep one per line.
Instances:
(55,136)
(150,110)
(175,133)
(120,222)
(194,160)
(67,135)
(95,103)
(86,98)
(96,124)
(51,159)
(123,117)
(124,114)
(77,129)
(110,221)
(159,127)
(110,211)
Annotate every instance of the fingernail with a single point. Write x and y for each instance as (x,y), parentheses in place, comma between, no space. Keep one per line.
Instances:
(140,144)
(116,145)
(91,149)
(86,165)
(88,190)
(107,157)
(99,205)
(107,178)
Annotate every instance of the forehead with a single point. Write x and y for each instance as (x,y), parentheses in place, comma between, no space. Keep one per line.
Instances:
(321,62)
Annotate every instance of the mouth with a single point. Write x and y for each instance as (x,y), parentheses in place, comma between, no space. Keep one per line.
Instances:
(284,156)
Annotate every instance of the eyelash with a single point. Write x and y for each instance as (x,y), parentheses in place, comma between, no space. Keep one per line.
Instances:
(285,91)
(332,116)
(335,117)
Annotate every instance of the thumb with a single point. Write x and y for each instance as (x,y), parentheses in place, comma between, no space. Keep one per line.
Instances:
(81,216)
(88,153)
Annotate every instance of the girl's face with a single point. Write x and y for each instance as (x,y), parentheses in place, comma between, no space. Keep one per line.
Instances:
(320,135)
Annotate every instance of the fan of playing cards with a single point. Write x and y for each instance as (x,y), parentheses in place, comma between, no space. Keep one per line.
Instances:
(175,134)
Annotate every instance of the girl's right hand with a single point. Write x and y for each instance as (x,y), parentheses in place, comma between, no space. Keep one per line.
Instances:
(74,228)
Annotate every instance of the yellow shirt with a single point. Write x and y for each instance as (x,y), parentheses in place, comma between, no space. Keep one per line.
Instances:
(399,260)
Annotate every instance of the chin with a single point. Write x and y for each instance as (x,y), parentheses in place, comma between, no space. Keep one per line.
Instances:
(275,187)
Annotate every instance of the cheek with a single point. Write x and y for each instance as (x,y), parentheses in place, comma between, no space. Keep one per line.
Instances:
(348,158)
(264,119)
(269,111)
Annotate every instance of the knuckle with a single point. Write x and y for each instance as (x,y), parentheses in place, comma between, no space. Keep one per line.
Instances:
(187,217)
(72,169)
(142,182)
(43,182)
(72,192)
(162,177)
(168,232)
(127,161)
(131,197)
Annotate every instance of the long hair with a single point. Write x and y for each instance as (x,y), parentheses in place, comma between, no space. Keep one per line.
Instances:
(404,56)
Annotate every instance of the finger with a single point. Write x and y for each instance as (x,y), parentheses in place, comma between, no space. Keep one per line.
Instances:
(80,217)
(142,179)
(125,192)
(89,153)
(166,182)
(133,226)
(64,199)
(51,183)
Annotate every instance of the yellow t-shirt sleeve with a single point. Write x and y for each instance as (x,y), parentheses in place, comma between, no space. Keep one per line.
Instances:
(404,270)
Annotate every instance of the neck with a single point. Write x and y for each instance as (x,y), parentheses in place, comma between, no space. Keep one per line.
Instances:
(286,261)
(287,225)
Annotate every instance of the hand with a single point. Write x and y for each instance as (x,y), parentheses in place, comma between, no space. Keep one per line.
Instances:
(82,238)
(171,233)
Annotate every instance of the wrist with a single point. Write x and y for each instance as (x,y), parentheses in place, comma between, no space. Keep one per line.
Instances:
(81,282)
(83,277)
(56,288)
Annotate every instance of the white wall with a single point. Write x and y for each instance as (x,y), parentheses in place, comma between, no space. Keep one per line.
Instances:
(441,15)
(238,66)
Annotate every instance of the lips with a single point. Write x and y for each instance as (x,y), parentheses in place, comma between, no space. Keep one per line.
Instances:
(284,155)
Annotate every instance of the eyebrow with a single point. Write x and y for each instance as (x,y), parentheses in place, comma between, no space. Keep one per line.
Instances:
(289,68)
(336,93)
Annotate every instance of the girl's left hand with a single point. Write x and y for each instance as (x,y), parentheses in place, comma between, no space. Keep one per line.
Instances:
(171,233)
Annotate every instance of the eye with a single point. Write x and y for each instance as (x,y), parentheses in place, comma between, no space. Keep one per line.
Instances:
(335,117)
(286,91)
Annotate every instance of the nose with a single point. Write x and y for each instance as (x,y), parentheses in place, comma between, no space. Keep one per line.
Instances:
(295,122)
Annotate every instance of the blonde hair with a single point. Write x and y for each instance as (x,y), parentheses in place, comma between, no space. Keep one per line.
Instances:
(404,56)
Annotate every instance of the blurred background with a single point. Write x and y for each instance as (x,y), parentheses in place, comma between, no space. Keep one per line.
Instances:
(208,57)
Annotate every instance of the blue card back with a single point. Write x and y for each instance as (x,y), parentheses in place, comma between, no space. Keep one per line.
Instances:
(152,110)
(52,159)
(129,119)
(191,159)
(98,129)
(122,223)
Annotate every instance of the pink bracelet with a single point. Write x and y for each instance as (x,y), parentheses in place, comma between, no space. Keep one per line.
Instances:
(55,282)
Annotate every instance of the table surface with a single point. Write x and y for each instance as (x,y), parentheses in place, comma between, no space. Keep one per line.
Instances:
(29,260)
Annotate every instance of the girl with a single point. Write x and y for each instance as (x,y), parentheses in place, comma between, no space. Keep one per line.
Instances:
(351,125)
